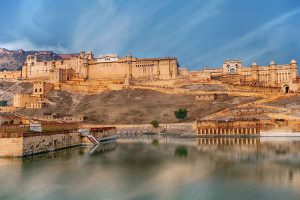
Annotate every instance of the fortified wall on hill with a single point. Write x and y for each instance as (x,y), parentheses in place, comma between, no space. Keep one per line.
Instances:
(85,73)
(111,66)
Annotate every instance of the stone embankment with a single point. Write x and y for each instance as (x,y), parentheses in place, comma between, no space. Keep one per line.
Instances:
(148,128)
(18,142)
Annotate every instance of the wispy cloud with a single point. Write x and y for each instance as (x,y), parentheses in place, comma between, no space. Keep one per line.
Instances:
(28,45)
(242,47)
(18,44)
(198,32)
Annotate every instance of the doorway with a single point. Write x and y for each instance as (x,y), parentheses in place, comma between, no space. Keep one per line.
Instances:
(286,89)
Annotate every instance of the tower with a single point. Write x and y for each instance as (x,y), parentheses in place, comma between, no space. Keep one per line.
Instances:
(272,72)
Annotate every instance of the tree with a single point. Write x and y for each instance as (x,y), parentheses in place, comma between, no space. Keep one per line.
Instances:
(3,69)
(155,123)
(181,113)
(11,122)
(3,103)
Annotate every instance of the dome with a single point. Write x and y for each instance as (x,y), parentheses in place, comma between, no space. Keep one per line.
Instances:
(254,64)
(272,62)
(293,61)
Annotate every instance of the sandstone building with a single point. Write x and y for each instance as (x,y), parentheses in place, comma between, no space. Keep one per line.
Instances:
(86,67)
(10,74)
(249,127)
(84,72)
(41,89)
(27,101)
(233,71)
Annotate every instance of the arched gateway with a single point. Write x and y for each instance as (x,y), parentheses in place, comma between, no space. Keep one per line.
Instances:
(286,89)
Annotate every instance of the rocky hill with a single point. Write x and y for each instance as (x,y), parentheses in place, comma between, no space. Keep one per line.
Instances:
(13,60)
(132,106)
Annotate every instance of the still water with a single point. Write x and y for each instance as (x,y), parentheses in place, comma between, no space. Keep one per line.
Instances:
(169,169)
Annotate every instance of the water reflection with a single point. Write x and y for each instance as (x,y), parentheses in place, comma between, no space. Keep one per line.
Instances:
(275,161)
(103,147)
(228,141)
(237,146)
(134,168)
(181,151)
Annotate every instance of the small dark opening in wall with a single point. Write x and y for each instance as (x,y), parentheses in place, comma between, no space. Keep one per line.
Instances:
(286,89)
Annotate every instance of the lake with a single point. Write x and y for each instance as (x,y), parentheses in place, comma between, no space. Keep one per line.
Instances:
(170,168)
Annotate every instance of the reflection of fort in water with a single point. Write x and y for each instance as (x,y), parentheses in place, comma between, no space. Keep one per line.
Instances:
(277,161)
(228,141)
(231,145)
(282,149)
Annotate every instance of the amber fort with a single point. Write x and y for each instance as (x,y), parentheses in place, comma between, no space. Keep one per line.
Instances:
(85,73)
(232,100)
(84,69)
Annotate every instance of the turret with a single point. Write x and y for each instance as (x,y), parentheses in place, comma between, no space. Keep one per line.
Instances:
(272,63)
(294,68)
(89,55)
(254,64)
(293,63)
(272,69)
(254,71)
(53,65)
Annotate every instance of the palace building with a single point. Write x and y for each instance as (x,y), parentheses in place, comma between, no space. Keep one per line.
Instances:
(249,127)
(111,66)
(273,75)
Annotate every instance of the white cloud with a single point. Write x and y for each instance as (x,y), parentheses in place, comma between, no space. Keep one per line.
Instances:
(18,44)
(27,45)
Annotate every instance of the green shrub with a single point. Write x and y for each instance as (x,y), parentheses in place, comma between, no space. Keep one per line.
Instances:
(3,103)
(155,123)
(181,113)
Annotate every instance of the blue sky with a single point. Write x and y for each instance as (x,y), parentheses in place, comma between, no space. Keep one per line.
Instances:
(198,32)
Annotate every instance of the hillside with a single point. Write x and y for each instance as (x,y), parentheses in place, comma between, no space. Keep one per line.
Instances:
(7,90)
(13,60)
(132,106)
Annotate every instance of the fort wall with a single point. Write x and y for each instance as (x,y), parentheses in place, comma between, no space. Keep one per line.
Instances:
(21,100)
(30,143)
(45,142)
(11,147)
(85,66)
(10,74)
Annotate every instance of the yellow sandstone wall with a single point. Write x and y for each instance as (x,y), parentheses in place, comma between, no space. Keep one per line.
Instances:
(10,74)
(20,100)
(11,147)
(41,88)
(46,143)
(107,70)
(7,108)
